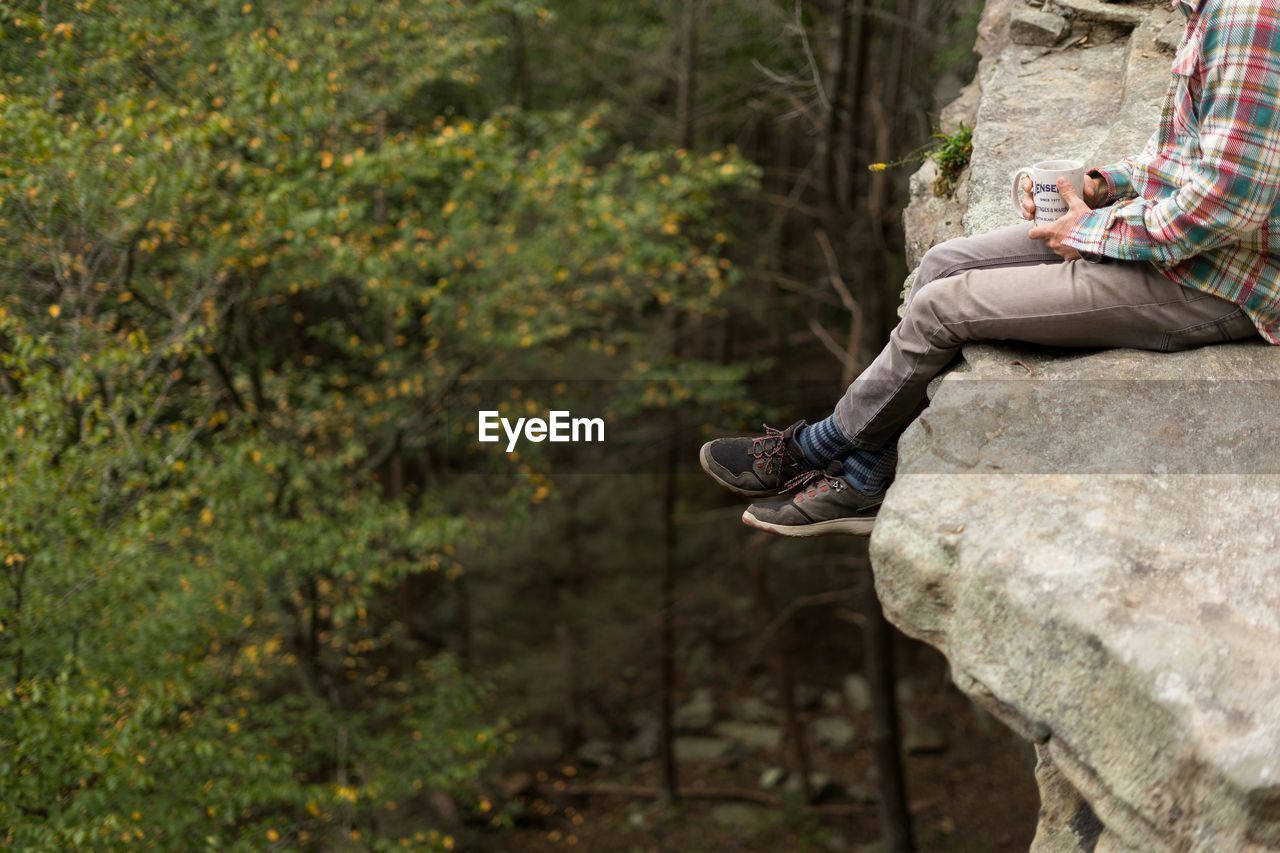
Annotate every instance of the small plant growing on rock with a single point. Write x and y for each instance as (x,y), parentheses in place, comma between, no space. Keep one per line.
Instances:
(952,156)
(951,153)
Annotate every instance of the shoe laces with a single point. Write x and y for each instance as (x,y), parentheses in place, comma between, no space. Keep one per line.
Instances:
(772,447)
(811,481)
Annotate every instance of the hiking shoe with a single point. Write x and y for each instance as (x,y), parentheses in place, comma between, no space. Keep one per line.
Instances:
(756,467)
(823,503)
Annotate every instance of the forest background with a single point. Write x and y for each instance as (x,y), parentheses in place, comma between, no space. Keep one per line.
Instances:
(260,588)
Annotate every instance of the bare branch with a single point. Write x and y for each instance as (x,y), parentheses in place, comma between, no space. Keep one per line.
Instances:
(833,270)
(812,61)
(847,359)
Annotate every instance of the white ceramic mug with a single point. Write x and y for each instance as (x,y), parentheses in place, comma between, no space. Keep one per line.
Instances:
(1044,187)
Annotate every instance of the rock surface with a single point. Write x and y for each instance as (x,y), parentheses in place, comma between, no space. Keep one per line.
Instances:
(704,750)
(833,733)
(698,713)
(857,692)
(1035,26)
(1093,538)
(751,735)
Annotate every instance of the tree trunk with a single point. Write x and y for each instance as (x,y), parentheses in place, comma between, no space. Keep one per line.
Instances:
(838,117)
(520,82)
(895,820)
(669,783)
(685,76)
(860,48)
(570,629)
(780,658)
(666,735)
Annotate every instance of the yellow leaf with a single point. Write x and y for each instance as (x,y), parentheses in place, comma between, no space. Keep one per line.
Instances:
(55,309)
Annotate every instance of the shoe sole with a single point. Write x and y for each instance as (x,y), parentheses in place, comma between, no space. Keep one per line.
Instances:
(704,459)
(842,526)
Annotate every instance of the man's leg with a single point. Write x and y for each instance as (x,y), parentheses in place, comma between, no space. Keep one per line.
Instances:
(1003,247)
(826,440)
(766,465)
(1072,303)
(1075,303)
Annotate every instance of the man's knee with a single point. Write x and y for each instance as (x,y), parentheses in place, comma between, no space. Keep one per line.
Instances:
(944,259)
(933,307)
(1008,246)
(939,261)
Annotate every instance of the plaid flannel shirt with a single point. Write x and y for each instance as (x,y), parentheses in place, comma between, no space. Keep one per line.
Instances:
(1202,201)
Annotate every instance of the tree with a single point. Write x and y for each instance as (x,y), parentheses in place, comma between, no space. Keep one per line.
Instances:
(252,253)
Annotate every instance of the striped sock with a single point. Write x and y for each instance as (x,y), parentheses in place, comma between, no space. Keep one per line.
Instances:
(869,471)
(823,442)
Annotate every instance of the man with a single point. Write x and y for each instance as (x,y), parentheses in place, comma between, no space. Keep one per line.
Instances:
(1174,248)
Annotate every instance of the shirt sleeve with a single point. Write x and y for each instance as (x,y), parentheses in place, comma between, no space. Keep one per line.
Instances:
(1118,178)
(1232,188)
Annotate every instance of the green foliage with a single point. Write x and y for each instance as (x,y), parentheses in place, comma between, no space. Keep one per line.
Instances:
(951,154)
(249,251)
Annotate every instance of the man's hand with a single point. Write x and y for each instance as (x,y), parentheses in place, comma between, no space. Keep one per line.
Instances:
(1056,231)
(1095,195)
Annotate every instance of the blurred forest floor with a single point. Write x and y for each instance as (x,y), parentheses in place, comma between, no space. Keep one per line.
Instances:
(971,789)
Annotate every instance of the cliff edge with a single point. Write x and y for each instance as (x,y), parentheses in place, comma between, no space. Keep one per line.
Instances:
(1093,537)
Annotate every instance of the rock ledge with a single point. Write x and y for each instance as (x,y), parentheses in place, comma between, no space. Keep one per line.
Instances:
(1093,538)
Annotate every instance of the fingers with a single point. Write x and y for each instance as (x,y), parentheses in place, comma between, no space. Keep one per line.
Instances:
(1028,199)
(1040,232)
(1093,191)
(1069,194)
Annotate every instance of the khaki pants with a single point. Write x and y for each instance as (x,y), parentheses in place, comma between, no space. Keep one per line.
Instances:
(1004,286)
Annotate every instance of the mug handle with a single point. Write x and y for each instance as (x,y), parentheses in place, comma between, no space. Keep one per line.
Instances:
(1025,171)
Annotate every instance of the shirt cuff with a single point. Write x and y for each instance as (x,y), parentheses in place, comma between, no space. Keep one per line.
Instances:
(1116,178)
(1089,235)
